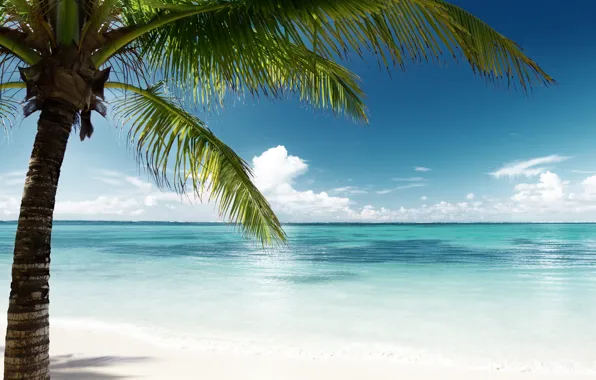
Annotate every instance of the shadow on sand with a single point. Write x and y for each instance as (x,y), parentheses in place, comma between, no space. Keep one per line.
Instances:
(69,367)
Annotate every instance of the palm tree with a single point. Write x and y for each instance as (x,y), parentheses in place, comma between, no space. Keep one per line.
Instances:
(172,57)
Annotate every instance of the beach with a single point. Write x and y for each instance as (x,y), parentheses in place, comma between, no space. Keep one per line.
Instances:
(188,301)
(97,355)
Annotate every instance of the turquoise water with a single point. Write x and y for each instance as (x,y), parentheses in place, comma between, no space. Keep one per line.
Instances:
(519,297)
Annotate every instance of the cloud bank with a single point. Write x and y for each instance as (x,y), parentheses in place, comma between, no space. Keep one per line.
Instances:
(540,194)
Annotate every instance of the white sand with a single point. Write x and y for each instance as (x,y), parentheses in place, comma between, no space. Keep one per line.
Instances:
(101,355)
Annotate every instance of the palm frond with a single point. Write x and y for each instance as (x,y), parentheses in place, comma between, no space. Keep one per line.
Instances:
(10,109)
(24,30)
(164,132)
(317,80)
(98,17)
(293,70)
(227,46)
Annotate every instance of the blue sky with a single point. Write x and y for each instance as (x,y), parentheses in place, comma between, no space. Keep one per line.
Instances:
(315,167)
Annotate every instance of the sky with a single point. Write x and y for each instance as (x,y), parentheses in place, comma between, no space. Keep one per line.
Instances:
(441,146)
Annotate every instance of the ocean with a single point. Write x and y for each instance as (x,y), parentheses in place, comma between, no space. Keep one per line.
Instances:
(515,297)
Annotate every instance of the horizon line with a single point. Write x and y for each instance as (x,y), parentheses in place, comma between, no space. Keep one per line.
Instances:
(304,223)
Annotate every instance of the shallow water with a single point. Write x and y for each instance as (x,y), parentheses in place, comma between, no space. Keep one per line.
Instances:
(507,296)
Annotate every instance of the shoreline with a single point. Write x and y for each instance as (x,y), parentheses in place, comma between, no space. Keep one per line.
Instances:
(91,353)
(99,355)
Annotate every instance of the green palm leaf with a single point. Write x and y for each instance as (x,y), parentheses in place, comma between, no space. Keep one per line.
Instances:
(230,46)
(164,132)
(293,70)
(10,109)
(317,80)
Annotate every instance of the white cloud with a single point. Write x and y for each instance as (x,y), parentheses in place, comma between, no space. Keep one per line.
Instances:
(588,193)
(139,183)
(410,186)
(133,199)
(589,185)
(103,205)
(410,179)
(440,212)
(470,196)
(14,178)
(14,182)
(550,189)
(404,187)
(349,190)
(15,173)
(421,169)
(109,180)
(110,173)
(150,201)
(275,171)
(275,168)
(306,204)
(11,187)
(9,205)
(528,168)
(423,198)
(154,198)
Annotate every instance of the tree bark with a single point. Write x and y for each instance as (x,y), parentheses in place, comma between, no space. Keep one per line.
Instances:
(26,353)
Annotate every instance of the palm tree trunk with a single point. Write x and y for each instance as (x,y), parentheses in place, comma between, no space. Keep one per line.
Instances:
(26,353)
